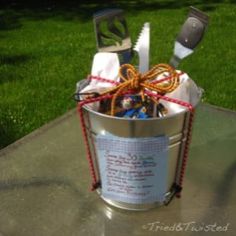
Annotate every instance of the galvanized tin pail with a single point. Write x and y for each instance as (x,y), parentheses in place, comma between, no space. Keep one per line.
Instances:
(173,126)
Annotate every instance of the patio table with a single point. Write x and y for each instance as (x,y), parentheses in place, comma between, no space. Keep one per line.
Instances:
(45,185)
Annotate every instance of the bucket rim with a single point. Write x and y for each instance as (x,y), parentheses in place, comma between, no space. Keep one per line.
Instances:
(184,110)
(132,119)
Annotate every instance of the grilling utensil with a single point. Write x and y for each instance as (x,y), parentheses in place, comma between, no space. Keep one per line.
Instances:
(112,33)
(190,35)
(142,48)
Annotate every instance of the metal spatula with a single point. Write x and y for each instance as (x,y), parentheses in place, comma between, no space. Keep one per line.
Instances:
(112,33)
(190,35)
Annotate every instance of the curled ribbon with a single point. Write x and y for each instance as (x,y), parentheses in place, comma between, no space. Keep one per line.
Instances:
(137,82)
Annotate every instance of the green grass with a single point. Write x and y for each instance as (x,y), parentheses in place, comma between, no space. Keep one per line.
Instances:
(46,48)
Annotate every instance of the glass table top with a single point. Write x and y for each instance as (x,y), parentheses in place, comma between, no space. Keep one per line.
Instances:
(45,185)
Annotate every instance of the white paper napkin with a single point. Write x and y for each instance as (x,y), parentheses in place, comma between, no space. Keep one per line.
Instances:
(105,65)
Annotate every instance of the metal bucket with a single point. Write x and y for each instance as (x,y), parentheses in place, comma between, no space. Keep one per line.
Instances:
(173,126)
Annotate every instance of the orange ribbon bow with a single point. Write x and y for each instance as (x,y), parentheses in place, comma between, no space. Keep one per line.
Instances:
(137,82)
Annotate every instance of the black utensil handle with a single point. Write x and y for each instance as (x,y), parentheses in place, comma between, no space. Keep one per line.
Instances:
(193,28)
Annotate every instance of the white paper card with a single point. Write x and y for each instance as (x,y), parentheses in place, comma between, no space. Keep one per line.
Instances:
(133,170)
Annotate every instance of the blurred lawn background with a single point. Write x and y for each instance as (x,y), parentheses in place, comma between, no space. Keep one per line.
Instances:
(47,46)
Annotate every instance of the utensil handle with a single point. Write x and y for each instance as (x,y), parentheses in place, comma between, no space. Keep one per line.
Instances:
(107,13)
(174,61)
